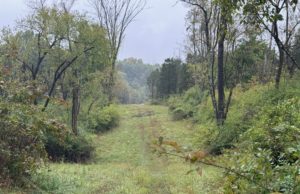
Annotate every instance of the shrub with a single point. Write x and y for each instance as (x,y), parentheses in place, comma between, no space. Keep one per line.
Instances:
(186,106)
(179,114)
(74,149)
(78,149)
(62,145)
(269,153)
(173,102)
(245,106)
(104,120)
(21,146)
(26,139)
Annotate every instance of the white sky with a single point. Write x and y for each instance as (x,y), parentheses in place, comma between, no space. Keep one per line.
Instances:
(156,34)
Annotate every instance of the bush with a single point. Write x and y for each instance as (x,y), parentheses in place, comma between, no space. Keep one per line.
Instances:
(26,139)
(186,106)
(78,149)
(21,146)
(74,149)
(245,106)
(269,153)
(62,145)
(104,120)
(179,114)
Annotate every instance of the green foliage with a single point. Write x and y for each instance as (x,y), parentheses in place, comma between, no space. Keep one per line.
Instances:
(172,78)
(103,120)
(123,157)
(21,136)
(71,149)
(259,140)
(246,104)
(263,11)
(245,62)
(16,92)
(132,87)
(269,152)
(153,84)
(28,137)
(168,77)
(21,142)
(295,51)
(52,49)
(187,105)
(62,145)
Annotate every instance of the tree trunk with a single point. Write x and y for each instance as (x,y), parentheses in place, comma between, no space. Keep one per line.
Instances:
(34,81)
(221,93)
(291,69)
(92,104)
(49,94)
(290,65)
(64,92)
(211,62)
(75,108)
(280,67)
(152,91)
(111,84)
(266,72)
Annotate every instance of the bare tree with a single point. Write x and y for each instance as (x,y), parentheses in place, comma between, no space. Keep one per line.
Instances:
(115,16)
(36,4)
(206,17)
(214,24)
(67,5)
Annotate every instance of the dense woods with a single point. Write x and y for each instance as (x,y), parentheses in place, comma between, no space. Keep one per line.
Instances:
(235,95)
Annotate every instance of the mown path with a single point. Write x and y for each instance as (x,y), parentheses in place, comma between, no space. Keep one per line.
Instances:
(126,163)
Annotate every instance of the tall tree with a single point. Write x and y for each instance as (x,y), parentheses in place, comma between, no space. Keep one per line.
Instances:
(55,47)
(168,83)
(153,84)
(115,16)
(215,18)
(269,14)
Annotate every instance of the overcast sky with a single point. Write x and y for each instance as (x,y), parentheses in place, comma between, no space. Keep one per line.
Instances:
(157,33)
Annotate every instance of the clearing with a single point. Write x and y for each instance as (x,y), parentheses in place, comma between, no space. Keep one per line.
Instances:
(126,163)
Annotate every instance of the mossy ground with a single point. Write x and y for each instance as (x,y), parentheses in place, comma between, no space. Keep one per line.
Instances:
(125,161)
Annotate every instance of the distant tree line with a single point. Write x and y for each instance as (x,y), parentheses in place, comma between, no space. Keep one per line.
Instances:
(131,82)
(173,77)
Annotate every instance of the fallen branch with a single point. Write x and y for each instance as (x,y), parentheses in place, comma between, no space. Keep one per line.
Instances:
(240,174)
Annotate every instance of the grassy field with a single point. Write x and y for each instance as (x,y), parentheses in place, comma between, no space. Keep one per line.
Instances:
(126,163)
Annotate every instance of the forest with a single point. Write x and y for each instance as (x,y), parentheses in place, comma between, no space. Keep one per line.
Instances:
(222,118)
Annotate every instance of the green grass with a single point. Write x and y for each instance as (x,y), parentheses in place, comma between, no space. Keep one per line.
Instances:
(125,161)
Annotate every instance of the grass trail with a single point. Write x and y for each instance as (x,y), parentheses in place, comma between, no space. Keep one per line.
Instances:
(126,164)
